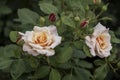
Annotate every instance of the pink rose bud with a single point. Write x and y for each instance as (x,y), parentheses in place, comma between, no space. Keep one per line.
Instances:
(83,23)
(52,17)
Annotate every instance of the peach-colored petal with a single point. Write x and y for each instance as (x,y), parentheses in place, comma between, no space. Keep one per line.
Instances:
(35,46)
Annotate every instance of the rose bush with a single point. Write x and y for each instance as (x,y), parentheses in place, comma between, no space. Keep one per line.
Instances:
(59,40)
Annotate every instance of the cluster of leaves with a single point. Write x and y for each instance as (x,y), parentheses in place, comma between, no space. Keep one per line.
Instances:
(72,60)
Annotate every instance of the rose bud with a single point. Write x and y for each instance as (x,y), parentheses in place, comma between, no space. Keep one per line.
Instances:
(52,17)
(83,23)
(104,8)
(77,18)
(96,1)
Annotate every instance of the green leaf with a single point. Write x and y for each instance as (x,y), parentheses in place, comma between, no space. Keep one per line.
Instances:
(101,72)
(114,39)
(27,16)
(64,55)
(48,8)
(77,7)
(67,65)
(5,63)
(33,62)
(54,75)
(1,51)
(82,74)
(85,64)
(78,44)
(68,21)
(41,72)
(5,10)
(17,69)
(13,36)
(12,51)
(75,4)
(99,62)
(69,77)
(86,2)
(118,64)
(87,51)
(112,57)
(79,54)
(90,15)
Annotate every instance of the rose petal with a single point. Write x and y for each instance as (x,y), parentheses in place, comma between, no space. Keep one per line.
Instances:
(29,50)
(99,28)
(92,51)
(27,37)
(38,29)
(35,46)
(104,54)
(57,41)
(22,34)
(47,52)
(53,30)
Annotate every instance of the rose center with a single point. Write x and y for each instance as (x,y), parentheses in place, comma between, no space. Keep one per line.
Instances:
(40,38)
(101,41)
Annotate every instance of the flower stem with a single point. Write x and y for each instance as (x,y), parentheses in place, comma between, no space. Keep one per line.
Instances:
(48,60)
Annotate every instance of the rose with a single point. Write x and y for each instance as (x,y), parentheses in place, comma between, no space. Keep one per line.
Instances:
(84,23)
(99,41)
(42,40)
(52,17)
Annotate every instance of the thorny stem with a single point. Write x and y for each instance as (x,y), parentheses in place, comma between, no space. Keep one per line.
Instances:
(114,70)
(99,14)
(93,19)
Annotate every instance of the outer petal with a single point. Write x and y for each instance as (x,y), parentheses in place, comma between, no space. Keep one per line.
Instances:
(104,54)
(27,37)
(57,41)
(22,34)
(53,29)
(90,42)
(37,28)
(47,52)
(92,52)
(27,48)
(99,28)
